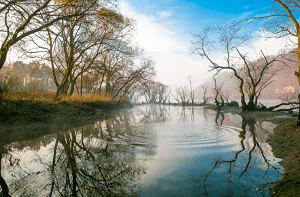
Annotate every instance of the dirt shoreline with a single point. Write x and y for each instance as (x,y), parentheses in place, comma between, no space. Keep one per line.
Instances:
(21,120)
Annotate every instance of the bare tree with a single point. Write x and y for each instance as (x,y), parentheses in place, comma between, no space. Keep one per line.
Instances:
(74,46)
(163,92)
(218,95)
(114,67)
(226,95)
(205,89)
(22,18)
(229,39)
(192,92)
(257,76)
(155,91)
(182,95)
(283,22)
(149,91)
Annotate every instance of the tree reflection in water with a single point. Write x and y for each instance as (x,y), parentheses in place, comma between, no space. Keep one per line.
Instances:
(108,158)
(155,114)
(84,161)
(234,168)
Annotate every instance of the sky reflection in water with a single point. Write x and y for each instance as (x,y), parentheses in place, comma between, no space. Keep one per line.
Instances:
(149,150)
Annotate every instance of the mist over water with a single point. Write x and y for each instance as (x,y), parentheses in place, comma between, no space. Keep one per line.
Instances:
(150,150)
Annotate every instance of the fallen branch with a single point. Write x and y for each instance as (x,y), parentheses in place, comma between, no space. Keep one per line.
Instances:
(279,105)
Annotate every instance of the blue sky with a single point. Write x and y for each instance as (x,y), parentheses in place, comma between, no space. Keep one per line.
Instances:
(165,28)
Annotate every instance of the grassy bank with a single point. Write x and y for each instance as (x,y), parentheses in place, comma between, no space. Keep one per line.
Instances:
(30,114)
(30,107)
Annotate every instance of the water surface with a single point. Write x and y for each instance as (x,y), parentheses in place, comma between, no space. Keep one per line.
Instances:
(150,150)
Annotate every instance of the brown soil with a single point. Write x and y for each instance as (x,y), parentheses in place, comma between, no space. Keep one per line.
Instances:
(285,144)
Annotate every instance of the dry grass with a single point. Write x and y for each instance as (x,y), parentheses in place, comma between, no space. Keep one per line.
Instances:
(49,97)
(89,98)
(30,95)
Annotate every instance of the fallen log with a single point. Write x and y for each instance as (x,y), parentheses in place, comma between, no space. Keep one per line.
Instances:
(279,105)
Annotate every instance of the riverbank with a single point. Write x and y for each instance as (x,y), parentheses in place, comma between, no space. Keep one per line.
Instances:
(285,145)
(22,119)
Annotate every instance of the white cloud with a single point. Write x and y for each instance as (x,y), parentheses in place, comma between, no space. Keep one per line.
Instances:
(273,46)
(169,49)
(270,46)
(164,14)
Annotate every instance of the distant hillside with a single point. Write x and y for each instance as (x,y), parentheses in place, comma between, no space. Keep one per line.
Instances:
(284,83)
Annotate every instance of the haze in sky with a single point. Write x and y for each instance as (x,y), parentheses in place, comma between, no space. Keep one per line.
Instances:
(165,30)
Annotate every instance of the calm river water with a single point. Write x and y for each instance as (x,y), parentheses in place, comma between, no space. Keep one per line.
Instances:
(150,150)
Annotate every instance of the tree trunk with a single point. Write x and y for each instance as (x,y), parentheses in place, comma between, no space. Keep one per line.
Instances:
(250,106)
(62,90)
(243,102)
(217,103)
(3,56)
(222,101)
(73,82)
(297,74)
(64,86)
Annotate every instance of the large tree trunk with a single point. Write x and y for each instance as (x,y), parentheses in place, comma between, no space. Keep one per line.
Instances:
(297,74)
(73,83)
(3,56)
(241,91)
(62,90)
(251,105)
(217,102)
(243,102)
(64,86)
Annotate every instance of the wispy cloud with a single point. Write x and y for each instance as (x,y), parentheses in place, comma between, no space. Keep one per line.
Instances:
(164,14)
(269,46)
(169,49)
(246,7)
(273,46)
